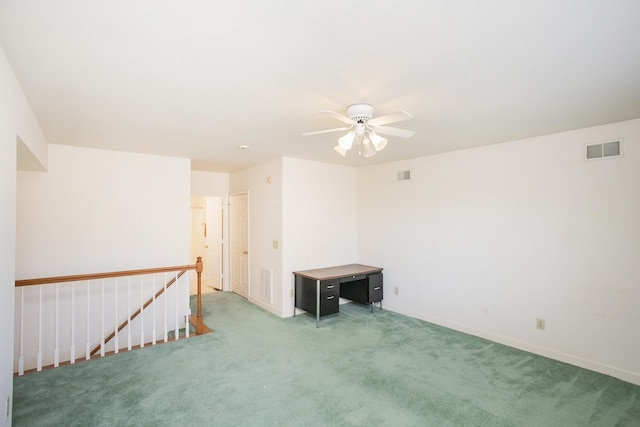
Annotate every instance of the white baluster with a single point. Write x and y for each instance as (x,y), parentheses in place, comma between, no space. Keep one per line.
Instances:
(166,327)
(175,285)
(39,356)
(102,322)
(116,343)
(188,310)
(153,309)
(141,314)
(21,358)
(87,345)
(72,351)
(129,317)
(56,352)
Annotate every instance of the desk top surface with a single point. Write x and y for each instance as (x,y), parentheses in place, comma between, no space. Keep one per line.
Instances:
(338,271)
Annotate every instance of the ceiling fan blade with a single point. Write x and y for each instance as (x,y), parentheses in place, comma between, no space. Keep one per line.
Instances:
(390,118)
(340,117)
(386,130)
(320,132)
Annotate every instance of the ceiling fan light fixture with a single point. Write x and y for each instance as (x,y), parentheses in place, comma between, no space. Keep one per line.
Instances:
(340,150)
(378,142)
(368,150)
(346,141)
(366,128)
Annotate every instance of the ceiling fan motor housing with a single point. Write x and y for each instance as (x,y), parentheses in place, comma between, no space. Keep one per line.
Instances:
(360,112)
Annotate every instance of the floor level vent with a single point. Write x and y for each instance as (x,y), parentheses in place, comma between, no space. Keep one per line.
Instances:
(605,149)
(266,284)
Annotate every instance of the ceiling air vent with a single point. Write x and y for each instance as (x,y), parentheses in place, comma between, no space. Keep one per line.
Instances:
(605,149)
(404,175)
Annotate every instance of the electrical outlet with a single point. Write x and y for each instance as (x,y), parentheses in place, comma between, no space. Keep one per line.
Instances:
(540,324)
(485,309)
(396,290)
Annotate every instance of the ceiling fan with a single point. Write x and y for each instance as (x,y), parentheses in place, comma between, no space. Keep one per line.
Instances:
(366,128)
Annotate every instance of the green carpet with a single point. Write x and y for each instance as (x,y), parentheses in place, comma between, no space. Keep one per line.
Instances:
(358,369)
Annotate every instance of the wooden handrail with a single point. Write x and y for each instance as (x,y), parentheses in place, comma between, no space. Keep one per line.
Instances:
(198,267)
(94,276)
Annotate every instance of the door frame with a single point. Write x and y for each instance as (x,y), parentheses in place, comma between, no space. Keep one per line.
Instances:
(230,239)
(226,284)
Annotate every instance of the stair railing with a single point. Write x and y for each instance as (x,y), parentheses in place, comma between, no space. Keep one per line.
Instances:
(91,305)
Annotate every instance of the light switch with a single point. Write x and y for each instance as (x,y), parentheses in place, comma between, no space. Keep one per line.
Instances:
(275,244)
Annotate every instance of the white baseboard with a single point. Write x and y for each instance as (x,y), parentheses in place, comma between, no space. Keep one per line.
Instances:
(628,376)
(265,306)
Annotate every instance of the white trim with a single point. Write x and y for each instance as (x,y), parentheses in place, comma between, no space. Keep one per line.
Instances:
(631,377)
(265,306)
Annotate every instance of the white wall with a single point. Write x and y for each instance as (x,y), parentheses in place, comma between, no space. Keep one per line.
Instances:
(527,230)
(16,121)
(319,219)
(209,183)
(7,228)
(309,208)
(98,210)
(265,226)
(30,135)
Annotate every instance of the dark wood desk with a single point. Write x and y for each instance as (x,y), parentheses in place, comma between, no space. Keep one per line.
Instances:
(319,291)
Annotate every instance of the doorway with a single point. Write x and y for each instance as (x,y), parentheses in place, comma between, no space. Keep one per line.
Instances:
(207,241)
(239,231)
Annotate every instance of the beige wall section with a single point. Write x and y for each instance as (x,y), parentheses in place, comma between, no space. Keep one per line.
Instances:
(265,226)
(209,183)
(16,119)
(99,210)
(32,145)
(7,230)
(305,208)
(319,219)
(487,240)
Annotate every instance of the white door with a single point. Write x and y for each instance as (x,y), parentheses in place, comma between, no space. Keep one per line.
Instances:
(239,225)
(214,242)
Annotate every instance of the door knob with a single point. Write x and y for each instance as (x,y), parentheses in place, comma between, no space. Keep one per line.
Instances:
(245,253)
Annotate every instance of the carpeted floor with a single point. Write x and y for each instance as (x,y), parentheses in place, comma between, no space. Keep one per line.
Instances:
(358,369)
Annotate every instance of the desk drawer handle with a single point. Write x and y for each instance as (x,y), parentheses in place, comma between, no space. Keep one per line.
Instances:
(331,297)
(377,288)
(330,286)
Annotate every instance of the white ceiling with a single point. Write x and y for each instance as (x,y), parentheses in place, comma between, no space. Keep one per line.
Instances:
(198,79)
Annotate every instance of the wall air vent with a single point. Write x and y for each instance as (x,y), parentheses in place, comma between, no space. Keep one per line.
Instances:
(605,149)
(404,175)
(266,285)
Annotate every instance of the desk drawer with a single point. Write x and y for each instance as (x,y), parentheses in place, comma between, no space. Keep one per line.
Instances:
(306,295)
(329,296)
(353,278)
(329,303)
(330,286)
(375,287)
